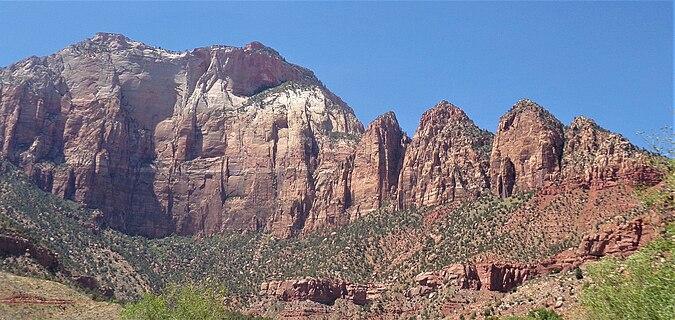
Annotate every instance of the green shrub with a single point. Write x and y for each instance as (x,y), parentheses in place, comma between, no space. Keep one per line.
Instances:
(150,307)
(640,287)
(181,302)
(578,273)
(539,314)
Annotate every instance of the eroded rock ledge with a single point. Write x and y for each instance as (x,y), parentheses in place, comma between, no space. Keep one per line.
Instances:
(321,290)
(501,276)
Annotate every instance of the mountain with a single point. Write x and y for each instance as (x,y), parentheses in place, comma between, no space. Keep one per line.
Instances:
(214,139)
(126,168)
(224,139)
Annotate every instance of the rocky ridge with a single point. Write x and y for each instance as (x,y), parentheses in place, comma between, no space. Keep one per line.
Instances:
(237,139)
(619,241)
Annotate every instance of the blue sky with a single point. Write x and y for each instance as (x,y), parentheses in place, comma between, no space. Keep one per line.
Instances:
(610,61)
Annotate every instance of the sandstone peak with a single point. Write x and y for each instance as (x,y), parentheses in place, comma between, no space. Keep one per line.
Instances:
(386,119)
(368,179)
(527,149)
(530,109)
(447,159)
(109,37)
(581,122)
(111,40)
(257,46)
(445,111)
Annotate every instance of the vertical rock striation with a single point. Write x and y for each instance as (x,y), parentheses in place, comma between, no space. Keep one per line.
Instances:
(225,138)
(203,141)
(446,161)
(366,180)
(527,149)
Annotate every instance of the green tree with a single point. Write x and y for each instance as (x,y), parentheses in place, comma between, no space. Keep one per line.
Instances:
(182,302)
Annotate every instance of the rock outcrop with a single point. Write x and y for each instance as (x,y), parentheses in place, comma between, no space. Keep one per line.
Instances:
(621,241)
(447,160)
(527,149)
(595,158)
(320,290)
(366,180)
(11,245)
(492,276)
(218,138)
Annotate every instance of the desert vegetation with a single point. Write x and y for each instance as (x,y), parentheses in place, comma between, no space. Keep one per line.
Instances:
(639,287)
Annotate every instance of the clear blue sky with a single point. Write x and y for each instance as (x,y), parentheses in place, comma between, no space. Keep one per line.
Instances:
(610,61)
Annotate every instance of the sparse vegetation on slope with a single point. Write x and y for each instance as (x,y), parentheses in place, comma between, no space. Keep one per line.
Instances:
(390,247)
(31,298)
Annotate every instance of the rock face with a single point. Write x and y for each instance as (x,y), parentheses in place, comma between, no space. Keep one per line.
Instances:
(202,141)
(18,246)
(503,277)
(527,149)
(490,276)
(595,158)
(457,275)
(621,240)
(447,160)
(320,290)
(368,179)
(377,164)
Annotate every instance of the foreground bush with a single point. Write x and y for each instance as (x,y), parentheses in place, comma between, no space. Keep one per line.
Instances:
(179,303)
(640,287)
(538,314)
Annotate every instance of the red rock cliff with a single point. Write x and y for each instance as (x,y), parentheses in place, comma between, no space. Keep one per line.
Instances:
(527,149)
(203,141)
(367,180)
(446,161)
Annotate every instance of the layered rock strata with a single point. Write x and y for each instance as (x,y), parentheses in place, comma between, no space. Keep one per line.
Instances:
(620,241)
(320,290)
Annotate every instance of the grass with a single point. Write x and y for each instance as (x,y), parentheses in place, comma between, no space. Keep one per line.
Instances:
(639,287)
(78,303)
